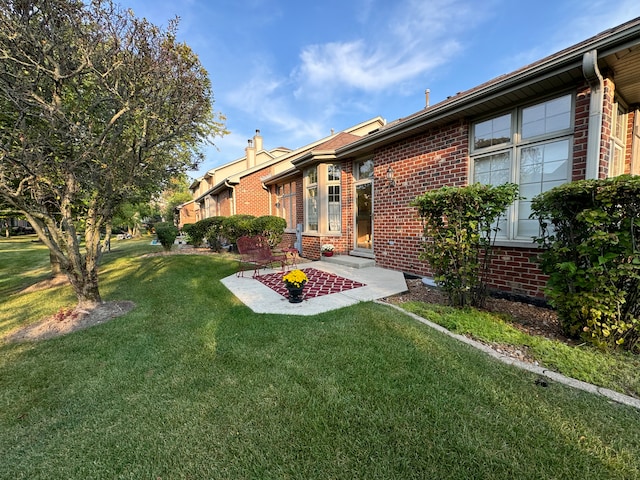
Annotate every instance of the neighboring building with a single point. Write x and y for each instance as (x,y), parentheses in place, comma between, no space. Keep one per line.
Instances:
(570,116)
(187,213)
(237,187)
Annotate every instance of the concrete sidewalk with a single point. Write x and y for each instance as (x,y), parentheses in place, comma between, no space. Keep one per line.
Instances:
(379,283)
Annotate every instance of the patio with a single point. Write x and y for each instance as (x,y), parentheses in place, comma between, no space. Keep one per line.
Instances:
(375,283)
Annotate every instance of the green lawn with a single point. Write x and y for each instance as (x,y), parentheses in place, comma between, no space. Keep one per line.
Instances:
(192,384)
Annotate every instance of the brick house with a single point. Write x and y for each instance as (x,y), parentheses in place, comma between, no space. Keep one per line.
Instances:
(238,187)
(187,213)
(570,116)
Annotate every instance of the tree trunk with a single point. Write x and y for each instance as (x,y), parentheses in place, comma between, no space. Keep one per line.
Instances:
(56,269)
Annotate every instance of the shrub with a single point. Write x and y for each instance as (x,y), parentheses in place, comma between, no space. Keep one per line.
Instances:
(458,223)
(590,235)
(237,226)
(271,227)
(214,232)
(198,231)
(167,233)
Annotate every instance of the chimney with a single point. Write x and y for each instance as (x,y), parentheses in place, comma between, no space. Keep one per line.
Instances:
(251,154)
(257,141)
(426,97)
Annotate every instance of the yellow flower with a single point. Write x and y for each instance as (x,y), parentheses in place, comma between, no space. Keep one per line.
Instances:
(295,278)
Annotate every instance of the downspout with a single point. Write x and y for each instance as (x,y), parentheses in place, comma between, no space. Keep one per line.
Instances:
(596,82)
(233,196)
(266,188)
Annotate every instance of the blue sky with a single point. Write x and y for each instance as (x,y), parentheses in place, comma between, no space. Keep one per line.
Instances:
(295,69)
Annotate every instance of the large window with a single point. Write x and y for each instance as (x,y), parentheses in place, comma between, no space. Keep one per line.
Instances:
(530,146)
(286,204)
(323,200)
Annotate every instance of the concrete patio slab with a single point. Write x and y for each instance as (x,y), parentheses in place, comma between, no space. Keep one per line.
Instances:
(379,283)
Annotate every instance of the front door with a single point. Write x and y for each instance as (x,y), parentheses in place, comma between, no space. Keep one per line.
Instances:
(364,217)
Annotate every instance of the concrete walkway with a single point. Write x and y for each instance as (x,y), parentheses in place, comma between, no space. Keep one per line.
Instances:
(258,297)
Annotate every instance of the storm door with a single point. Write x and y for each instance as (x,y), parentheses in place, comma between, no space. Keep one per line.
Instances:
(363,240)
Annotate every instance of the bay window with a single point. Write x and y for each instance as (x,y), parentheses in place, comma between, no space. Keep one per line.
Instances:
(323,199)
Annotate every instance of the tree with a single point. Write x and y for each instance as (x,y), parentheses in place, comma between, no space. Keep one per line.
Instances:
(175,194)
(97,108)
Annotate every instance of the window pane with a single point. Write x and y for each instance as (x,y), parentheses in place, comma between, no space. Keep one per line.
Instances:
(364,169)
(493,169)
(492,132)
(312,208)
(312,176)
(548,117)
(542,167)
(335,217)
(333,173)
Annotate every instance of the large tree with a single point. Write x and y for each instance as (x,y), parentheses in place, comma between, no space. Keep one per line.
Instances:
(97,108)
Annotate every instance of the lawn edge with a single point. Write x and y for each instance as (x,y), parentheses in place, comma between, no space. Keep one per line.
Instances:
(552,375)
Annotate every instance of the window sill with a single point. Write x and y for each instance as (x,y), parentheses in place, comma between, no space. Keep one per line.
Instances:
(516,244)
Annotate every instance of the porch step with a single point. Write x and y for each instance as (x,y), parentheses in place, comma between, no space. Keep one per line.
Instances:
(349,261)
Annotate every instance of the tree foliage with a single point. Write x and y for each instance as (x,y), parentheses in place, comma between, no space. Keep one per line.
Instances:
(97,108)
(590,236)
(458,224)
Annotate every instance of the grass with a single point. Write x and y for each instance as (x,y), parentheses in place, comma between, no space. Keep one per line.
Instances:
(192,384)
(614,370)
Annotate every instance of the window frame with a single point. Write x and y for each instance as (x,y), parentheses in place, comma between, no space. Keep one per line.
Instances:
(514,148)
(328,219)
(620,118)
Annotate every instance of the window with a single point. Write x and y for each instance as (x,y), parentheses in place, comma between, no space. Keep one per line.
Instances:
(286,203)
(323,200)
(618,140)
(311,210)
(334,209)
(534,151)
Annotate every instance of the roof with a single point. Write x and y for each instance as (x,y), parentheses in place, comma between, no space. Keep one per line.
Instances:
(291,157)
(618,51)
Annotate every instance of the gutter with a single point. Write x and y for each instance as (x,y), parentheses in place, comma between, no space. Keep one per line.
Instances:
(596,82)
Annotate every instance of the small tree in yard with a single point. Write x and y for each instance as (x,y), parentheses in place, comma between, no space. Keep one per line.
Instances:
(590,239)
(97,108)
(458,225)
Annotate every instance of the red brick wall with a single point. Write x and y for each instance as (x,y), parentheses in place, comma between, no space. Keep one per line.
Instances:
(435,159)
(251,198)
(187,214)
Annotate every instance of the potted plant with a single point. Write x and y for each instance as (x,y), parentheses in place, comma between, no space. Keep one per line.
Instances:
(295,281)
(327,249)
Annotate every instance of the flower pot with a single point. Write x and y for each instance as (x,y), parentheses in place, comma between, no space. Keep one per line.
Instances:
(295,294)
(327,254)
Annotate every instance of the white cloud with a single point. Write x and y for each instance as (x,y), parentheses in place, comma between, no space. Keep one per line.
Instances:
(404,41)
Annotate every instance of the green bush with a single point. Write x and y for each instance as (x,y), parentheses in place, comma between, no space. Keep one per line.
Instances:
(198,231)
(214,232)
(590,235)
(167,233)
(271,227)
(458,223)
(236,226)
